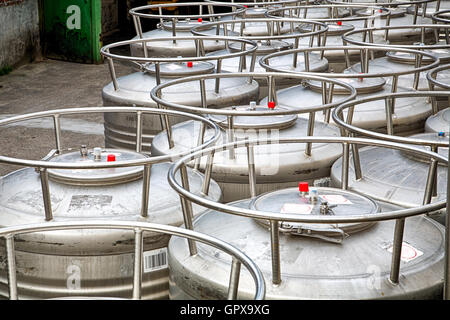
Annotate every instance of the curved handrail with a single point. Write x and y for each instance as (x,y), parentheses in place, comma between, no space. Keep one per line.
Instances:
(239,258)
(431,77)
(276,217)
(42,166)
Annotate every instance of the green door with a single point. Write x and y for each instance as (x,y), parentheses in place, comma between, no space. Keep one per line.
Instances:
(72,30)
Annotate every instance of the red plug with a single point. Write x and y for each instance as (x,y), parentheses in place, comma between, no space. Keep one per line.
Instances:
(190,64)
(200,20)
(271,104)
(111,157)
(339,23)
(303,187)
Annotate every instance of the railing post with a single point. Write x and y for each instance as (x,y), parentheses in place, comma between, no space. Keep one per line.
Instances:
(234,280)
(275,246)
(397,250)
(146,189)
(46,194)
(11,260)
(137,276)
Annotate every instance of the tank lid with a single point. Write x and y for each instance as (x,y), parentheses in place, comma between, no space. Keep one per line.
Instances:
(256,122)
(429,136)
(362,85)
(334,29)
(410,58)
(181,69)
(318,201)
(264,47)
(182,25)
(96,177)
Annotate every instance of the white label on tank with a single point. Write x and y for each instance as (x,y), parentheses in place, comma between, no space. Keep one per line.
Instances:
(155,260)
(409,253)
(335,199)
(296,208)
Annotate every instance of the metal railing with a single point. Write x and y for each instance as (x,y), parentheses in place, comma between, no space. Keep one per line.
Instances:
(327,85)
(238,257)
(273,29)
(367,33)
(42,166)
(366,53)
(417,4)
(432,74)
(349,129)
(375,12)
(205,11)
(275,217)
(247,47)
(438,16)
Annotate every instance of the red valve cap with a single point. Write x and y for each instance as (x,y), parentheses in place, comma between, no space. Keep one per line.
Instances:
(200,20)
(303,187)
(339,23)
(111,157)
(271,104)
(190,64)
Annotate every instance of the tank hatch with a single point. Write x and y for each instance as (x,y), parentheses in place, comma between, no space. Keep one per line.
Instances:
(316,201)
(96,177)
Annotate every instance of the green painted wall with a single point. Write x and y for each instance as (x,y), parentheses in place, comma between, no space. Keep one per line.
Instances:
(72,30)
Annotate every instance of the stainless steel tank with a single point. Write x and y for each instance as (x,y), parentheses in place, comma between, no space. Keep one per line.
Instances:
(392,176)
(439,122)
(270,41)
(278,166)
(399,16)
(340,19)
(410,114)
(315,248)
(134,89)
(254,11)
(176,25)
(91,184)
(12,236)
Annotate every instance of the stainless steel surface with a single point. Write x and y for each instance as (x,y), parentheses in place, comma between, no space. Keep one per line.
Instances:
(134,89)
(137,228)
(369,77)
(256,241)
(176,25)
(48,262)
(278,166)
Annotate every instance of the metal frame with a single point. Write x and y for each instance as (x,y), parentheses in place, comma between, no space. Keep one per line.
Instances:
(435,16)
(273,26)
(431,77)
(275,217)
(366,54)
(236,10)
(332,11)
(239,258)
(347,129)
(423,27)
(42,166)
(270,77)
(247,47)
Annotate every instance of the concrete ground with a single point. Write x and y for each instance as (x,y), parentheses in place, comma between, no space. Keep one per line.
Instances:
(50,85)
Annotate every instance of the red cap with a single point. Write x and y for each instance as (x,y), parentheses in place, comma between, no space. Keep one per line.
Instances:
(190,64)
(303,187)
(111,157)
(381,10)
(271,104)
(245,5)
(339,23)
(199,19)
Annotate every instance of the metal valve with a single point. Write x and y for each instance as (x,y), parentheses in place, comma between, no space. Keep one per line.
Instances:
(83,150)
